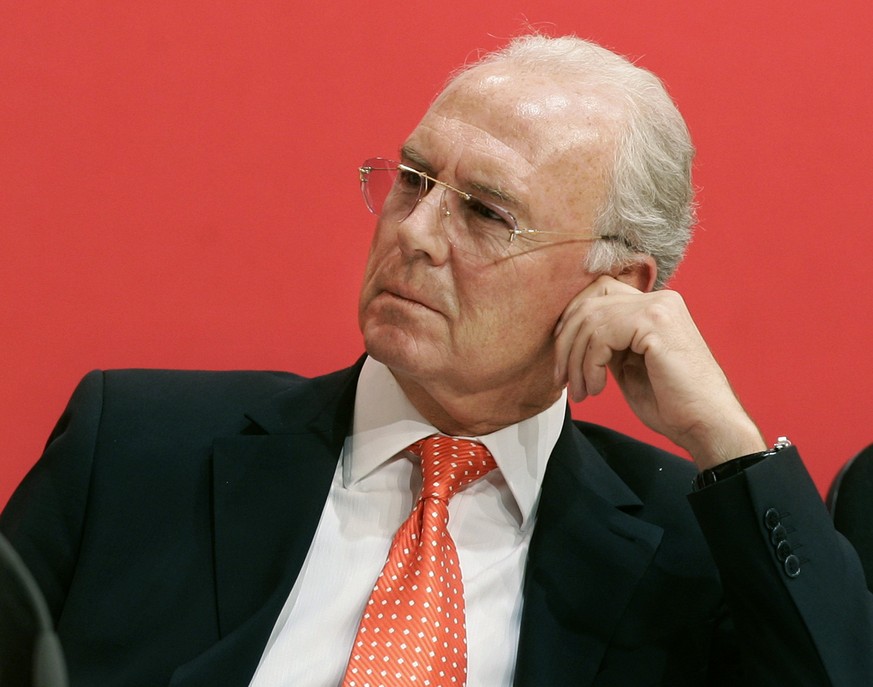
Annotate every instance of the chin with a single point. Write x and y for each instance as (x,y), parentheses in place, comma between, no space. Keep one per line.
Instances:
(394,347)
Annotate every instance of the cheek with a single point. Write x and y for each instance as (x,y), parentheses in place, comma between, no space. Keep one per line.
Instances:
(504,306)
(539,297)
(378,245)
(379,249)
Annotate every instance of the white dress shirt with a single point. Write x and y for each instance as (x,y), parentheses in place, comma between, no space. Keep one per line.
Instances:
(373,491)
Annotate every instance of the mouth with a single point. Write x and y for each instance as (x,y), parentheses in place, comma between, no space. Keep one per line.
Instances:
(407,299)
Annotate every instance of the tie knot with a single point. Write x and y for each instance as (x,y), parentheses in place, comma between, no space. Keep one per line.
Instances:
(448,463)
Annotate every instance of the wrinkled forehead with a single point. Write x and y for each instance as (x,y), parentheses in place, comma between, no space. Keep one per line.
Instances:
(539,115)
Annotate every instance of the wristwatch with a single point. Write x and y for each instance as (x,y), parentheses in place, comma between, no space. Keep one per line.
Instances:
(733,467)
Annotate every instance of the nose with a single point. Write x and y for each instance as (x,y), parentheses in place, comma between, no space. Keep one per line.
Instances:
(421,235)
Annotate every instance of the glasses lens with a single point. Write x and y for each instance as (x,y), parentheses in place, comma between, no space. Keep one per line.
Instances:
(475,226)
(388,190)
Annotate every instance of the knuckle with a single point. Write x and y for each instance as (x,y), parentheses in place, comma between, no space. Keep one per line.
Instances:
(672,299)
(659,313)
(664,306)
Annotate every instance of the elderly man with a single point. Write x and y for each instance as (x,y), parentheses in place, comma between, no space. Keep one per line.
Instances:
(255,528)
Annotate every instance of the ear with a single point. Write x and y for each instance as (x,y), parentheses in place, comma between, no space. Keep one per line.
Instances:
(641,274)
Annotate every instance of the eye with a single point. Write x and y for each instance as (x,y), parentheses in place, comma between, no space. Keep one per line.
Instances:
(489,213)
(408,179)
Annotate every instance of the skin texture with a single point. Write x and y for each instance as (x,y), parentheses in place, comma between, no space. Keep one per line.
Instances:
(477,345)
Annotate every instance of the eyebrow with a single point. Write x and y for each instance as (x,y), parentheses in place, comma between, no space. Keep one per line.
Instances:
(503,197)
(498,195)
(408,153)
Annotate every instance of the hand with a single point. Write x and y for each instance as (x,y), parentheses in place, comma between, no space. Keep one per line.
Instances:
(661,363)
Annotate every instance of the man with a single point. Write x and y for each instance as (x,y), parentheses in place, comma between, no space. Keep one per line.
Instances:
(228,528)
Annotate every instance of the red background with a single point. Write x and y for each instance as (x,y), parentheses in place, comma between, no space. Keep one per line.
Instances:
(178,188)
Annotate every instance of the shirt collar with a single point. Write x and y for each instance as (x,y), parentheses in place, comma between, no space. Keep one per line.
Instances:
(386,422)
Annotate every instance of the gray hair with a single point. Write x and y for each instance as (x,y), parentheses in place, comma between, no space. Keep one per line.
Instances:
(650,198)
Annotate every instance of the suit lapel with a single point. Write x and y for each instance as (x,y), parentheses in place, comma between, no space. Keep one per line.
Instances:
(269,488)
(268,495)
(586,557)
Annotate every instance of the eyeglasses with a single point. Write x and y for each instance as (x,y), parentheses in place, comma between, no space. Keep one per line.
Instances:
(393,190)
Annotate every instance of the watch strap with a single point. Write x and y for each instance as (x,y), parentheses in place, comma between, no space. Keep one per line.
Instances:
(733,467)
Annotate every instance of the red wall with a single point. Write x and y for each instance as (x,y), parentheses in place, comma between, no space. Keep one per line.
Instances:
(178,188)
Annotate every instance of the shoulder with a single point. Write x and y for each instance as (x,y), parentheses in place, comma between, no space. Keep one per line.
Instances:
(142,392)
(154,382)
(142,399)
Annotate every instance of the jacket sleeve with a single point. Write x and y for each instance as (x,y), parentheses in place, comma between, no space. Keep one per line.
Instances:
(795,587)
(44,518)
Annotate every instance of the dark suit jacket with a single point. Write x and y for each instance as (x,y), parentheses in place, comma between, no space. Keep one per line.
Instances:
(171,511)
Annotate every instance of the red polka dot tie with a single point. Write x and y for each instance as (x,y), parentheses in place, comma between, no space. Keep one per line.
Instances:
(412,631)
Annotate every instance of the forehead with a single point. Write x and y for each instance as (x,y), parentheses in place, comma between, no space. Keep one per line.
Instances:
(532,115)
(521,130)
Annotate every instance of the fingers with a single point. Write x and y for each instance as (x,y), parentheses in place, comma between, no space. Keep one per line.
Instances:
(662,365)
(586,338)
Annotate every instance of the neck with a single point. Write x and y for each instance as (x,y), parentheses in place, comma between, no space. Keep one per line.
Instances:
(477,413)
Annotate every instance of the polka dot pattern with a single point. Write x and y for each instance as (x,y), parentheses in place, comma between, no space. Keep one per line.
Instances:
(412,631)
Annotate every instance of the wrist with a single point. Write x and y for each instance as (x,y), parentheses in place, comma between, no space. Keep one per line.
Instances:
(739,440)
(726,469)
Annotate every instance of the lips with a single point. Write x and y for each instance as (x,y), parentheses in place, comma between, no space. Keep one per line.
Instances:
(408,297)
(405,292)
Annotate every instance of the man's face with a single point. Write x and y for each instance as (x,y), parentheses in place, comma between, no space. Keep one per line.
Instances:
(436,316)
